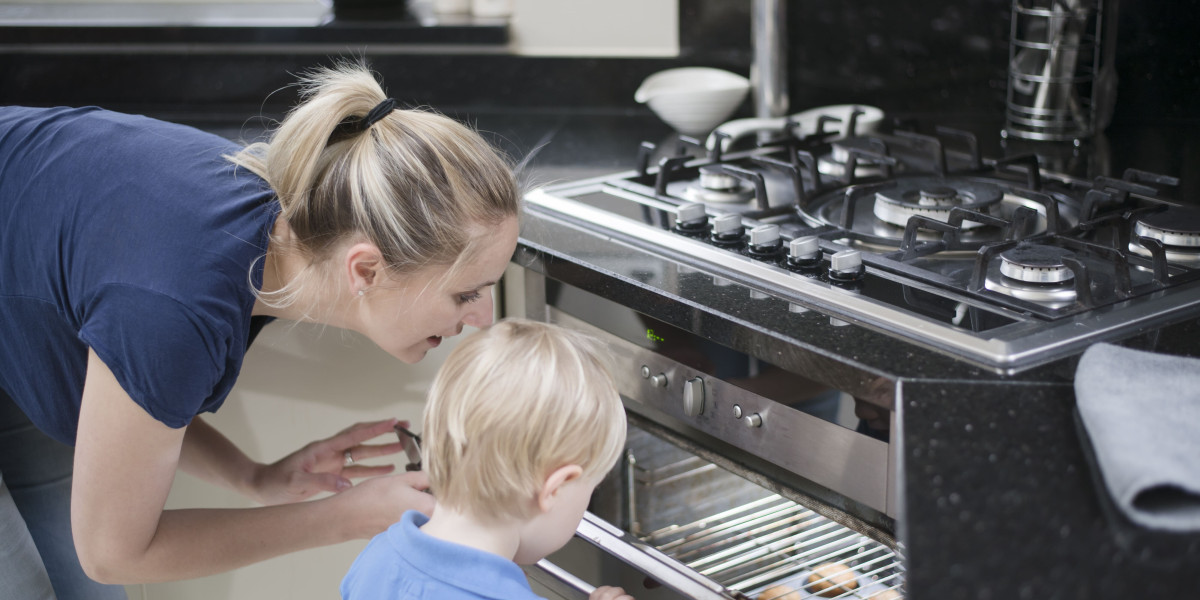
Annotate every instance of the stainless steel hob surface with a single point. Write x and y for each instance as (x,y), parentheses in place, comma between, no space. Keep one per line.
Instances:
(997,263)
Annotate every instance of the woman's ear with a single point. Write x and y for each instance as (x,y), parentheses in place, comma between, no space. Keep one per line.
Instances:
(364,264)
(554,482)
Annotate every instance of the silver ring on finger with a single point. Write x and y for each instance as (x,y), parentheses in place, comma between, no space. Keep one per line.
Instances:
(347,458)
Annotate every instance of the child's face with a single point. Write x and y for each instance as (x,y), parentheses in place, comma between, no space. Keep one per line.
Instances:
(551,530)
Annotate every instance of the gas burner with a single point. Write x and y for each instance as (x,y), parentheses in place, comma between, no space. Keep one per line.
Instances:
(717,187)
(834,163)
(934,197)
(1033,263)
(1035,273)
(881,210)
(1178,228)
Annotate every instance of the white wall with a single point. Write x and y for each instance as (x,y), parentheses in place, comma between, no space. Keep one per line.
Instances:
(596,27)
(298,384)
(615,28)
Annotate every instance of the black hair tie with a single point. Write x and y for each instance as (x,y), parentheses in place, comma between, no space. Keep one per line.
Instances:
(353,126)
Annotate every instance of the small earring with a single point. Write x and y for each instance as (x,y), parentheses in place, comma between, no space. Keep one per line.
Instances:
(360,292)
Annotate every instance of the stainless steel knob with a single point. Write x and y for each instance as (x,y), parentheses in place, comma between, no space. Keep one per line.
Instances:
(727,224)
(765,235)
(805,248)
(690,213)
(752,420)
(737,411)
(693,397)
(659,380)
(846,261)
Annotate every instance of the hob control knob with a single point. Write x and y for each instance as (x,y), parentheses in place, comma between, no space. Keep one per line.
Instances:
(804,253)
(752,420)
(693,397)
(691,218)
(727,230)
(765,241)
(846,265)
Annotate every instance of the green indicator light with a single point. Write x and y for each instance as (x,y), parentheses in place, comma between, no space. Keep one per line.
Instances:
(652,337)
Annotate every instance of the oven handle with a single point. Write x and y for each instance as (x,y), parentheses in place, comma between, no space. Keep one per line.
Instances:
(648,560)
(560,580)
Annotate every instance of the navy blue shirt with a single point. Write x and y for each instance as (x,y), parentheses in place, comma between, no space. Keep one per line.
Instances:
(133,237)
(405,563)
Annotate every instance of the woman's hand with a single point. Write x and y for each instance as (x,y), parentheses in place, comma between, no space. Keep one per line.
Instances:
(378,503)
(605,592)
(322,466)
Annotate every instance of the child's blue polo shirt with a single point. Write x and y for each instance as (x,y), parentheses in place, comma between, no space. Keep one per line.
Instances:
(403,562)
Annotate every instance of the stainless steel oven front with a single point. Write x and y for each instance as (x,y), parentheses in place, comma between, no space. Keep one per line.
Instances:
(742,478)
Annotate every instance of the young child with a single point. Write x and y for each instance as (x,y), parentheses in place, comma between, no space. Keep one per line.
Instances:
(523,421)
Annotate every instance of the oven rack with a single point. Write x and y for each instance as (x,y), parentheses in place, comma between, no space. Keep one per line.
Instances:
(768,541)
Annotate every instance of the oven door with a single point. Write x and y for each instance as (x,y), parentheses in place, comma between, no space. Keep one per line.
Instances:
(622,560)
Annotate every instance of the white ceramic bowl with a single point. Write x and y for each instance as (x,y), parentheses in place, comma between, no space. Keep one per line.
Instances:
(693,100)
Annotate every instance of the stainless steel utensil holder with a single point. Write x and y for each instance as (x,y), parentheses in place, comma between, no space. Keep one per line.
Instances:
(1061,83)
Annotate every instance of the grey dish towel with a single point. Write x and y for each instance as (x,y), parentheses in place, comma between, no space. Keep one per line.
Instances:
(1141,412)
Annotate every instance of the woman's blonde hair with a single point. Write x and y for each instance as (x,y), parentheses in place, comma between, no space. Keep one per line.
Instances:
(511,404)
(421,187)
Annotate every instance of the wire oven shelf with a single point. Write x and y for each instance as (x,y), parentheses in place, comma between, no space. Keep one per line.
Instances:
(748,539)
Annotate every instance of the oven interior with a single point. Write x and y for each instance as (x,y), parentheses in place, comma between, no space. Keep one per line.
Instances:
(680,513)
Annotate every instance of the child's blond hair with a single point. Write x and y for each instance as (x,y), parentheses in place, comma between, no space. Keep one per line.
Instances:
(511,404)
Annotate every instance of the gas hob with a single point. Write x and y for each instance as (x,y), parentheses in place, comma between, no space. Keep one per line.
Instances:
(994,261)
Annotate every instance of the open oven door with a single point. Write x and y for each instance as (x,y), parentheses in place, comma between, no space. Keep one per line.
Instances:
(645,572)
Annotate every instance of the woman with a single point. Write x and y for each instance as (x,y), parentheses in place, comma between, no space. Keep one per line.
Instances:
(138,260)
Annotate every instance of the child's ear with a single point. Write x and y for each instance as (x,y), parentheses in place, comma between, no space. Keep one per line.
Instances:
(554,482)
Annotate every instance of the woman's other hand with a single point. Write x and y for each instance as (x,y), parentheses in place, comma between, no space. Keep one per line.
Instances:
(605,592)
(325,465)
(376,504)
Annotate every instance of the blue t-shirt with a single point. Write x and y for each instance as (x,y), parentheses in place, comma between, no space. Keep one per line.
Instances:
(134,237)
(403,562)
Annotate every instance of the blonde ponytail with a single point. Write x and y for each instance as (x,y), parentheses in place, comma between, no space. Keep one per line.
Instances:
(415,184)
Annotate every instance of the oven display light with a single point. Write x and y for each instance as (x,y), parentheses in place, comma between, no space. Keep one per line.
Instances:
(650,335)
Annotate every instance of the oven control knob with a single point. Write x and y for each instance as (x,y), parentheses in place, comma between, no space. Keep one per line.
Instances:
(693,397)
(804,253)
(691,219)
(659,380)
(728,230)
(752,420)
(846,265)
(765,242)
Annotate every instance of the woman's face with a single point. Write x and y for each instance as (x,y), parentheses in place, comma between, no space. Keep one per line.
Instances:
(408,316)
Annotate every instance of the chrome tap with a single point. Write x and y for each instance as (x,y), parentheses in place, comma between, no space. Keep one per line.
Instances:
(768,73)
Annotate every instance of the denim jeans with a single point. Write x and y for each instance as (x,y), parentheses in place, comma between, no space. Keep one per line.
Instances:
(37,552)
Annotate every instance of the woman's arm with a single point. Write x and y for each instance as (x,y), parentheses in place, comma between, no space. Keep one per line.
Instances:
(209,455)
(125,462)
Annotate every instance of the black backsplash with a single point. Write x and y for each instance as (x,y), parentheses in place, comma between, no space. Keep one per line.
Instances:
(922,56)
(931,56)
(929,60)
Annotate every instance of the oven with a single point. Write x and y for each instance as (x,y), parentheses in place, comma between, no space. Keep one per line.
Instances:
(776,298)
(711,498)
